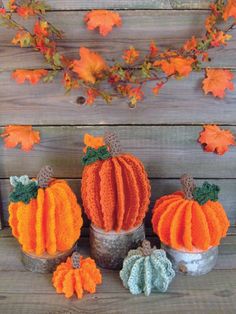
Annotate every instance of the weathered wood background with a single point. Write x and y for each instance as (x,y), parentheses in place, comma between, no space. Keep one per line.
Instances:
(162,131)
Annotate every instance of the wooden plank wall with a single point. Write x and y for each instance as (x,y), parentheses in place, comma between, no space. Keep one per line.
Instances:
(162,130)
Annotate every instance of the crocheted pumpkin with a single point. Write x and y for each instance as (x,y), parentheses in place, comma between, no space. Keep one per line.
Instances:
(76,275)
(190,220)
(146,269)
(115,186)
(44,214)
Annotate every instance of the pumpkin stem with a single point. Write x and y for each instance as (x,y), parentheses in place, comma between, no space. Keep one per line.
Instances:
(112,141)
(75,260)
(146,248)
(44,176)
(188,186)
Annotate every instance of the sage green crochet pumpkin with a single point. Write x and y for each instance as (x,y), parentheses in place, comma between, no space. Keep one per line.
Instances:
(146,269)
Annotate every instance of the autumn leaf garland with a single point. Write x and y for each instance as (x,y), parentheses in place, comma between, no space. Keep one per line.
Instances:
(128,77)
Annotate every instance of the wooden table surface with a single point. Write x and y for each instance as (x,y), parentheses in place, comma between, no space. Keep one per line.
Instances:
(25,292)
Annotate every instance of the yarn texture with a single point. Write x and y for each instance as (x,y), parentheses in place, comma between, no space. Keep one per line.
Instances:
(76,275)
(146,270)
(187,221)
(24,189)
(47,222)
(115,191)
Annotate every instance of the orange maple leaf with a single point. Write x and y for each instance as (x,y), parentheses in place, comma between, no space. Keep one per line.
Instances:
(90,67)
(23,135)
(215,139)
(190,44)
(210,22)
(93,141)
(130,55)
(217,81)
(157,88)
(33,76)
(23,39)
(230,9)
(177,65)
(103,19)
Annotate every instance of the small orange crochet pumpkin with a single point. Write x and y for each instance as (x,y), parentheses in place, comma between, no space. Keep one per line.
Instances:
(44,214)
(115,187)
(192,219)
(77,274)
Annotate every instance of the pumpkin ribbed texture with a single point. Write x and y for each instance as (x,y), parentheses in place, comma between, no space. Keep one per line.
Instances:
(69,280)
(50,223)
(184,224)
(116,192)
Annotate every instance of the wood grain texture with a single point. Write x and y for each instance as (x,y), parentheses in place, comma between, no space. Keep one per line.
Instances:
(25,292)
(126,4)
(166,151)
(153,25)
(179,102)
(159,187)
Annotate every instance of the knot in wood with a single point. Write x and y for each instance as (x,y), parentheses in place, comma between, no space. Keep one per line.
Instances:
(75,260)
(45,176)
(188,186)
(112,141)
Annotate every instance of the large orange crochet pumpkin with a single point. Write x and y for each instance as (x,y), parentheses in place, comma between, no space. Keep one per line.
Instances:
(190,220)
(44,214)
(115,186)
(76,275)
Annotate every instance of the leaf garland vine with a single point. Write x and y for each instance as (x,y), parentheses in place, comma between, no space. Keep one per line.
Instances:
(127,78)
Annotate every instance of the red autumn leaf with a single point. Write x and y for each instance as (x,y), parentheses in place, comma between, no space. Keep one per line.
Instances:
(215,139)
(177,65)
(41,28)
(2,11)
(90,67)
(92,94)
(103,19)
(230,9)
(23,135)
(217,81)
(25,11)
(153,50)
(130,55)
(190,44)
(219,39)
(33,76)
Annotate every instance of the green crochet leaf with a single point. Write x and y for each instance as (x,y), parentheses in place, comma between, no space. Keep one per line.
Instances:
(93,155)
(205,193)
(24,192)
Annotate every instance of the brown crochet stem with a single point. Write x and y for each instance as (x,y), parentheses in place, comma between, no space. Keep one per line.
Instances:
(112,141)
(75,260)
(188,186)
(45,176)
(146,248)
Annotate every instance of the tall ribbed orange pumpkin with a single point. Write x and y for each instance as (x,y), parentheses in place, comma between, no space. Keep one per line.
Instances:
(115,186)
(190,220)
(44,214)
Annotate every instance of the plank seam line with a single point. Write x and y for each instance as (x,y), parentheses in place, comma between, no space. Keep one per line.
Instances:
(124,125)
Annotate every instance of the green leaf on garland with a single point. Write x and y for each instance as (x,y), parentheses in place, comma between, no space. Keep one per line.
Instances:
(205,193)
(24,189)
(93,155)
